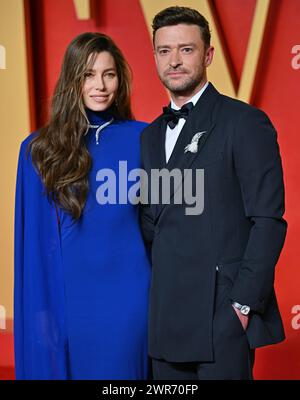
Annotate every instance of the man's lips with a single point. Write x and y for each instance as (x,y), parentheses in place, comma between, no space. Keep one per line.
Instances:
(176,73)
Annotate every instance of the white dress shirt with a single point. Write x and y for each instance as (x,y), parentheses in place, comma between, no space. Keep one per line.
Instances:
(173,134)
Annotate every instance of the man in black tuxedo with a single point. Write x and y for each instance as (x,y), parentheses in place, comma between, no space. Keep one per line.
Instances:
(212,299)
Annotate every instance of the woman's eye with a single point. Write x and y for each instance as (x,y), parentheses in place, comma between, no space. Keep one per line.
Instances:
(110,75)
(88,74)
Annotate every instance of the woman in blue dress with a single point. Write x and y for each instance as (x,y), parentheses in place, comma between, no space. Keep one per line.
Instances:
(81,269)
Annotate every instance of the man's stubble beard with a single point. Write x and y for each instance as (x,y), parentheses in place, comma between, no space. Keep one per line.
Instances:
(186,87)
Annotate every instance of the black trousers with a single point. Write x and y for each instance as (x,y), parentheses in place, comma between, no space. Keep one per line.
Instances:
(233,358)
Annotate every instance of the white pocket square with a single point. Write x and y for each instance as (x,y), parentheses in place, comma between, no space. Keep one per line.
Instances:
(193,146)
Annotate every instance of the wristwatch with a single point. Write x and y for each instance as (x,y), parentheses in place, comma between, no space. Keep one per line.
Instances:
(243,308)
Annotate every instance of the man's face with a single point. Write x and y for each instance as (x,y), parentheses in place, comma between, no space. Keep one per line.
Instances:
(181,58)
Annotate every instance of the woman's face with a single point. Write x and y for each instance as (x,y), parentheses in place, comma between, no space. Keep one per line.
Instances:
(101,83)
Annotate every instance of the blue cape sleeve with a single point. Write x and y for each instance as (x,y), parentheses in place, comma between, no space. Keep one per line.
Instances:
(40,336)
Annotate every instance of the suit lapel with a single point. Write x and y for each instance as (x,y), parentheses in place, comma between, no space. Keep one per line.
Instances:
(157,144)
(200,119)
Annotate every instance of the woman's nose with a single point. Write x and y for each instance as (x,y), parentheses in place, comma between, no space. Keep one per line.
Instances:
(99,82)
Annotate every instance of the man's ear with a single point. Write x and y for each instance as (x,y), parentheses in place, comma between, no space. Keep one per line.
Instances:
(209,56)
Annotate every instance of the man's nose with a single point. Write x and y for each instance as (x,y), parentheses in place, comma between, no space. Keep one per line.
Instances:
(175,59)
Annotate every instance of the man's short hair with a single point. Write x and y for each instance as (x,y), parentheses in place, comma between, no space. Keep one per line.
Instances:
(182,15)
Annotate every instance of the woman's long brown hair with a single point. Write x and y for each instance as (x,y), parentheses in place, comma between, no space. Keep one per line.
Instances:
(58,151)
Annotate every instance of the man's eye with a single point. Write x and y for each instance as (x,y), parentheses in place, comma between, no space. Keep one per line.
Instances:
(187,49)
(163,51)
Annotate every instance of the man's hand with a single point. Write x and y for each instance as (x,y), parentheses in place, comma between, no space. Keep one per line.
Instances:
(243,318)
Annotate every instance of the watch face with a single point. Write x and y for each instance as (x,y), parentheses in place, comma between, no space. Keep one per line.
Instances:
(245,310)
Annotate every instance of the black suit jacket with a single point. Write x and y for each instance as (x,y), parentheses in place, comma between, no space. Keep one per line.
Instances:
(241,229)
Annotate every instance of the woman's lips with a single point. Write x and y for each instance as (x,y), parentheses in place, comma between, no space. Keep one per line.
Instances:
(99,99)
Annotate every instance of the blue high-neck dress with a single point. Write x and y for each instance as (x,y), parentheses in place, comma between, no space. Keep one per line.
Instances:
(81,288)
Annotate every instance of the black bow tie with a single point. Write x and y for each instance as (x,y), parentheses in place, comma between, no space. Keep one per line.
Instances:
(172,116)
